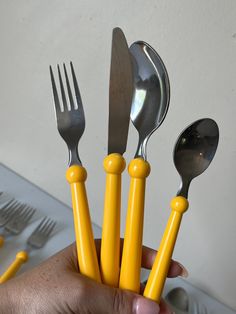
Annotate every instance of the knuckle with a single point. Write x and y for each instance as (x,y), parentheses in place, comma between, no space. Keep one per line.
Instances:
(119,302)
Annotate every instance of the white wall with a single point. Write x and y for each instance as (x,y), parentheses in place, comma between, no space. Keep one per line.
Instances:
(197,41)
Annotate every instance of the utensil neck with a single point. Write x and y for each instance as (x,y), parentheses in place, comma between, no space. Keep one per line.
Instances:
(141,149)
(74,157)
(184,187)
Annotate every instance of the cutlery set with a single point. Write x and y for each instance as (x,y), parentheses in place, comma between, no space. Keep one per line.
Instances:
(139,91)
(14,218)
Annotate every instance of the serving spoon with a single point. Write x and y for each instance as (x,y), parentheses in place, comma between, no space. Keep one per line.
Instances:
(149,107)
(193,153)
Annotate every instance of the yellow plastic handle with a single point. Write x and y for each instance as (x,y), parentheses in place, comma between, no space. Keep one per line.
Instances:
(138,169)
(114,165)
(1,240)
(21,258)
(87,255)
(157,277)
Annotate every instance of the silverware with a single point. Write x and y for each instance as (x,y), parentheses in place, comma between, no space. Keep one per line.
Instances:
(36,240)
(149,107)
(151,94)
(181,302)
(71,125)
(18,217)
(5,198)
(193,153)
(120,99)
(8,211)
(178,300)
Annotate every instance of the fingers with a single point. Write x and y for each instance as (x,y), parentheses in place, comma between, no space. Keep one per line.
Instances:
(176,269)
(164,309)
(111,300)
(148,256)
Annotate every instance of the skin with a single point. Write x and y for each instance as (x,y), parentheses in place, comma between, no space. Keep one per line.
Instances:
(56,286)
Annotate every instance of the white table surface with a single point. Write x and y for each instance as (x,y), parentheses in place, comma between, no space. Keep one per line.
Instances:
(25,191)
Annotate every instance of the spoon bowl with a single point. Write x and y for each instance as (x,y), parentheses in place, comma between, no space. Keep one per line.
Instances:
(151,93)
(194,150)
(179,299)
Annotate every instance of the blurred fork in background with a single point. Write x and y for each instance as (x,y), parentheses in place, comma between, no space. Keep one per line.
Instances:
(5,198)
(36,240)
(8,211)
(17,217)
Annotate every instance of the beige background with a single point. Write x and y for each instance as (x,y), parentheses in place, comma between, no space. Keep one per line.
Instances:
(197,41)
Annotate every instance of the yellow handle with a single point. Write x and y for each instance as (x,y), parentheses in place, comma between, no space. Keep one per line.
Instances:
(114,165)
(1,241)
(87,256)
(157,277)
(21,258)
(138,169)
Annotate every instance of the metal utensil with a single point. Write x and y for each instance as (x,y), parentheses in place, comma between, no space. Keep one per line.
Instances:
(149,107)
(193,153)
(8,211)
(178,299)
(182,303)
(18,220)
(71,124)
(120,99)
(5,198)
(36,240)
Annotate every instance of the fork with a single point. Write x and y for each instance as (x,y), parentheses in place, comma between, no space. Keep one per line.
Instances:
(8,211)
(71,125)
(5,198)
(17,218)
(36,240)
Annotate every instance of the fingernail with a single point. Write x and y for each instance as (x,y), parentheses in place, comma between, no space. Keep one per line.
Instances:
(145,306)
(184,272)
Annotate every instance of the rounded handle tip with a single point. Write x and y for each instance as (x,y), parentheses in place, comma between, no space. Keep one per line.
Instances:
(114,163)
(179,204)
(23,256)
(139,168)
(75,174)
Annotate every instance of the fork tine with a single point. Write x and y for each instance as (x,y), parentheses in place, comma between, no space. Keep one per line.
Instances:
(40,225)
(29,214)
(44,226)
(76,87)
(49,231)
(47,227)
(63,95)
(55,94)
(72,104)
(13,209)
(8,205)
(26,214)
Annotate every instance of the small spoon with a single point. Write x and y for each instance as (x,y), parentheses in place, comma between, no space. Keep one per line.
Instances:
(193,153)
(149,107)
(178,299)
(182,303)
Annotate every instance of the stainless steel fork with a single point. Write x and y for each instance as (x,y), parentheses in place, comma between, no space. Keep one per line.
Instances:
(36,240)
(8,211)
(5,198)
(71,124)
(18,217)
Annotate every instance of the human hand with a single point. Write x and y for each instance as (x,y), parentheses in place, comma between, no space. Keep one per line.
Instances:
(56,286)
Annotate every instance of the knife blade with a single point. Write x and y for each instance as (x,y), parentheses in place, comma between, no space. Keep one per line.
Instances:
(120,93)
(120,100)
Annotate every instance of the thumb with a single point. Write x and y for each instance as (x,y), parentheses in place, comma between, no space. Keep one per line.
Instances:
(107,300)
